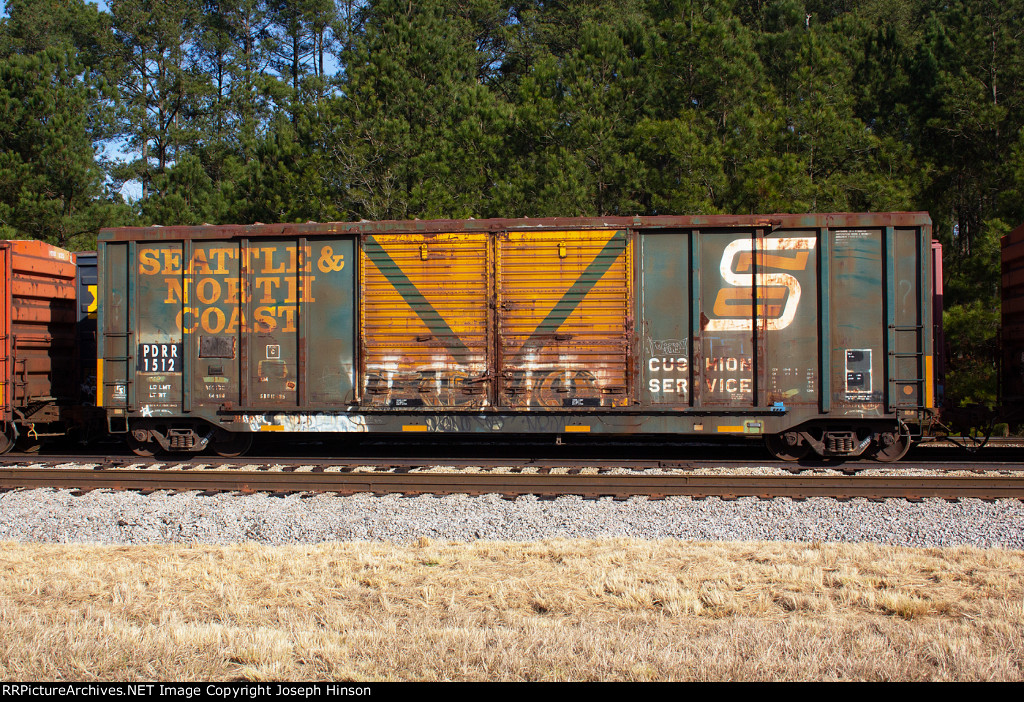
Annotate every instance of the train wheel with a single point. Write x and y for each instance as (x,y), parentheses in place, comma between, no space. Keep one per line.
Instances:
(786,447)
(232,445)
(146,449)
(26,444)
(894,445)
(6,439)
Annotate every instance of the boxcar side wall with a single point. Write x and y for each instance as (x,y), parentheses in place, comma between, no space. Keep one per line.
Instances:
(815,322)
(727,325)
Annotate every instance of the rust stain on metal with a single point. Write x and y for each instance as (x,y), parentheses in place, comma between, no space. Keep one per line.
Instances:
(448,226)
(424,319)
(564,322)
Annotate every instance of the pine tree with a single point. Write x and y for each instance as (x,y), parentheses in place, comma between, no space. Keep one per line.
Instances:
(414,133)
(32,26)
(51,186)
(162,86)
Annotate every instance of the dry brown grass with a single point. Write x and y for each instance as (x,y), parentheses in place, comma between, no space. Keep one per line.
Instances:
(553,610)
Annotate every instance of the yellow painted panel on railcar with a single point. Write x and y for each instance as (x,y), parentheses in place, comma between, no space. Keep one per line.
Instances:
(564,324)
(424,319)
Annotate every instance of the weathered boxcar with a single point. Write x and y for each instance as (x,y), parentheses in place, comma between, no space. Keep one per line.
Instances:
(1012,327)
(37,351)
(813,331)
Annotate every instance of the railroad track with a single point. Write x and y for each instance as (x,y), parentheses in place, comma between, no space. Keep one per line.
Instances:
(544,484)
(620,472)
(936,460)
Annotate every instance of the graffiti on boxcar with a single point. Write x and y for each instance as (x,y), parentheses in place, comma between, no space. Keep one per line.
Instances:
(442,424)
(531,387)
(667,347)
(321,422)
(553,387)
(432,387)
(305,422)
(526,424)
(255,421)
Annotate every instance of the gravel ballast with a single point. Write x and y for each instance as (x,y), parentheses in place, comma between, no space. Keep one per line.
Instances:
(108,517)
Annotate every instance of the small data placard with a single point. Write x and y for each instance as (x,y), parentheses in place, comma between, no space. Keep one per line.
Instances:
(159,358)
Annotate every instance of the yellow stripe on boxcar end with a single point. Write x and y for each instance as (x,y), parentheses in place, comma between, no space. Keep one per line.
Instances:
(99,382)
(271,427)
(731,428)
(577,428)
(929,382)
(414,427)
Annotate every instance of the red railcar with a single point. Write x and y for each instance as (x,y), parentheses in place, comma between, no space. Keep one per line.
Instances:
(37,340)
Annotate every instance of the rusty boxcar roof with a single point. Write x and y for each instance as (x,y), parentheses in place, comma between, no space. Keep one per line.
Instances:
(426,226)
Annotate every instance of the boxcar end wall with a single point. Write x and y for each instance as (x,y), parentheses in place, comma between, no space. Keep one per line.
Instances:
(37,342)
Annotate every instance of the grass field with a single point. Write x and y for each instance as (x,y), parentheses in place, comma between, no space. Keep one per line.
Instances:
(552,610)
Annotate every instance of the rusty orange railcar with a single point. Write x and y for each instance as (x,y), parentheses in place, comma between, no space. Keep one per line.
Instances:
(38,350)
(811,332)
(1012,321)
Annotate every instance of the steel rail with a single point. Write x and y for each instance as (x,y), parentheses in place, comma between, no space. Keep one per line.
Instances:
(512,463)
(511,485)
(379,462)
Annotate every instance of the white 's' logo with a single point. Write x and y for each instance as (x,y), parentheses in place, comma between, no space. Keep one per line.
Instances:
(778,294)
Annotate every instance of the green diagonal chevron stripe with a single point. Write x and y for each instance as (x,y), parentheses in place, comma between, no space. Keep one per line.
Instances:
(572,297)
(415,299)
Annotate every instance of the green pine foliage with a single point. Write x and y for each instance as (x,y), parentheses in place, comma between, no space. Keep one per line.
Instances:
(413,132)
(51,184)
